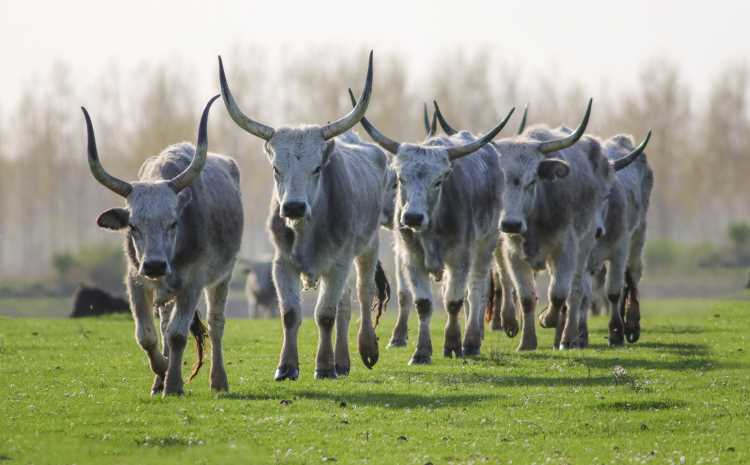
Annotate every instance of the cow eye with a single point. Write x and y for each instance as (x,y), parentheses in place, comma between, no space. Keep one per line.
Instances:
(276,172)
(316,170)
(400,180)
(531,184)
(438,183)
(173,226)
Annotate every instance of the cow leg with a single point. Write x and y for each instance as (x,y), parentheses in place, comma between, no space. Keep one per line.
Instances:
(523,280)
(332,286)
(419,285)
(570,339)
(583,312)
(177,332)
(453,299)
(479,275)
(401,330)
(342,362)
(614,284)
(288,286)
(504,290)
(635,270)
(141,305)
(165,312)
(216,302)
(561,267)
(366,290)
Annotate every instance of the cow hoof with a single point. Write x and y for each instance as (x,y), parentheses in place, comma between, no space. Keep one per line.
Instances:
(286,372)
(342,370)
(325,374)
(396,343)
(417,359)
(158,385)
(173,392)
(616,338)
(510,327)
(368,347)
(567,345)
(471,351)
(525,346)
(449,351)
(632,332)
(219,382)
(547,319)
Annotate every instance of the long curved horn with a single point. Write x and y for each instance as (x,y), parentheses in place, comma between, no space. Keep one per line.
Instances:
(427,128)
(116,185)
(454,153)
(342,125)
(443,123)
(522,126)
(253,127)
(184,179)
(430,129)
(623,162)
(381,139)
(565,142)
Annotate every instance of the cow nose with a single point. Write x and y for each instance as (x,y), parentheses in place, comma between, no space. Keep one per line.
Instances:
(294,209)
(412,219)
(154,268)
(511,226)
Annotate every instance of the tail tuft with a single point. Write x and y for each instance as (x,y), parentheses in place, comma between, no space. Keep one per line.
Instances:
(199,332)
(489,310)
(384,291)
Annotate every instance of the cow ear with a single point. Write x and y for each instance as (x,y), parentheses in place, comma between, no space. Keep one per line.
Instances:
(330,145)
(183,199)
(553,168)
(114,219)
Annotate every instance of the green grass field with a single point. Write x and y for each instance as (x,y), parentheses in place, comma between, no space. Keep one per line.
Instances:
(77,392)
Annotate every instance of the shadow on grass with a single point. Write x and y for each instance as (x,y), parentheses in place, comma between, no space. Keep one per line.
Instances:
(458,379)
(641,406)
(689,361)
(392,400)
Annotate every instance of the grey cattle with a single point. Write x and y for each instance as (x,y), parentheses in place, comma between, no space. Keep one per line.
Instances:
(621,244)
(324,215)
(260,289)
(550,204)
(183,224)
(447,208)
(500,311)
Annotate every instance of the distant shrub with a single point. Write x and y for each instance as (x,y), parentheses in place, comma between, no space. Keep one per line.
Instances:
(101,264)
(739,235)
(665,253)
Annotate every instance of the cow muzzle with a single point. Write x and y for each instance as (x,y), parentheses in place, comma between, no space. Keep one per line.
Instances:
(512,226)
(154,269)
(293,210)
(412,220)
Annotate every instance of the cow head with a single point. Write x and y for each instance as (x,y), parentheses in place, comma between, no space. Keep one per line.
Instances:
(525,164)
(298,155)
(153,208)
(421,170)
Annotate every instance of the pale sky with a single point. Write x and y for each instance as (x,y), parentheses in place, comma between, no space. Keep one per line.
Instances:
(591,41)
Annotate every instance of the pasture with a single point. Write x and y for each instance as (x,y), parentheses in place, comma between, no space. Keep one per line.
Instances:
(77,392)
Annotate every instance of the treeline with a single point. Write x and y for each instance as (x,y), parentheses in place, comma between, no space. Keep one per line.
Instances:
(49,202)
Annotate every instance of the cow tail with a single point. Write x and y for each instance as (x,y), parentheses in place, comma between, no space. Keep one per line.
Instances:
(384,291)
(489,310)
(199,332)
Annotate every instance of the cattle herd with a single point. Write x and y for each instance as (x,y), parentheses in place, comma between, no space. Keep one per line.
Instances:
(479,214)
